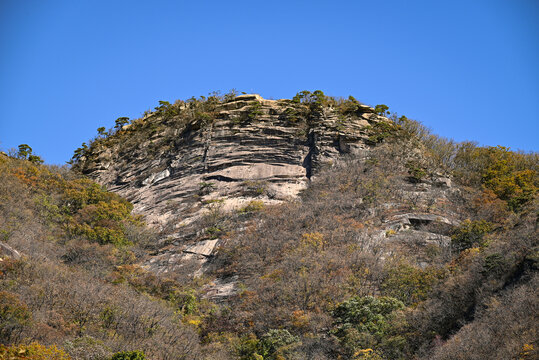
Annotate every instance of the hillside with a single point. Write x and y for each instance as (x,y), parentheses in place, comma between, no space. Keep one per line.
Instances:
(234,227)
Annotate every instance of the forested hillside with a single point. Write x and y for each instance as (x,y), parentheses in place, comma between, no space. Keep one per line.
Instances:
(389,242)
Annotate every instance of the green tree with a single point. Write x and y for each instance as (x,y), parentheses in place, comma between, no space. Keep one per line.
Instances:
(276,343)
(120,122)
(470,234)
(365,322)
(25,153)
(382,110)
(102,131)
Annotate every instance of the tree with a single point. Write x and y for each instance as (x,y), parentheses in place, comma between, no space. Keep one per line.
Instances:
(25,153)
(365,322)
(101,131)
(382,110)
(120,122)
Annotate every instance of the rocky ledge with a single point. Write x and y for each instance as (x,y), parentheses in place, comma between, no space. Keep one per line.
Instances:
(230,162)
(250,153)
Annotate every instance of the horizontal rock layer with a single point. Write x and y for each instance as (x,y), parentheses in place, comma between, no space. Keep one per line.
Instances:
(174,176)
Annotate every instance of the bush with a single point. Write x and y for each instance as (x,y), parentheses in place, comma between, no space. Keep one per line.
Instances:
(33,351)
(381,131)
(275,343)
(416,171)
(470,234)
(14,316)
(365,322)
(252,206)
(408,283)
(366,314)
(129,355)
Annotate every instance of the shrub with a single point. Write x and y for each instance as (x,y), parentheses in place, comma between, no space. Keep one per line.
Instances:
(14,316)
(381,131)
(408,283)
(470,234)
(276,343)
(511,176)
(366,314)
(255,110)
(129,355)
(416,171)
(365,322)
(33,351)
(252,206)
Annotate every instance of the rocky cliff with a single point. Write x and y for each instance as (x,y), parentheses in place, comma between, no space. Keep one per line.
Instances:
(240,155)
(184,161)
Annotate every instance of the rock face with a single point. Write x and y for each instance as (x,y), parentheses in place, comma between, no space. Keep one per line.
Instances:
(251,151)
(235,159)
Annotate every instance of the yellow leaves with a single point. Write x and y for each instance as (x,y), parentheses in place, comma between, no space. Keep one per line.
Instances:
(314,240)
(390,232)
(276,275)
(348,222)
(33,351)
(192,320)
(527,352)
(409,283)
(300,320)
(466,257)
(366,354)
(510,175)
(252,206)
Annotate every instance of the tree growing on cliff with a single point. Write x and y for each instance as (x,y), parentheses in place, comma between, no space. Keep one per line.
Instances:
(25,153)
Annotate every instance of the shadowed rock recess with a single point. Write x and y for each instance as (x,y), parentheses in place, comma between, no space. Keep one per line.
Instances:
(176,168)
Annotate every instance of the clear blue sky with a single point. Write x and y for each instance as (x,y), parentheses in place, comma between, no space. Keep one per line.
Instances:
(467,69)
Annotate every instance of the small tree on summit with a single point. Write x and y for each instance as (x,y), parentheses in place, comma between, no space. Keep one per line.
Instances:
(102,131)
(25,153)
(382,109)
(120,122)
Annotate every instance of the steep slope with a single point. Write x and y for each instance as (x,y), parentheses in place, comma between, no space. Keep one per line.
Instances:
(323,228)
(311,228)
(248,141)
(183,161)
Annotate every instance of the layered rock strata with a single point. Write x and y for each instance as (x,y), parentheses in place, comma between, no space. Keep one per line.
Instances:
(229,161)
(251,152)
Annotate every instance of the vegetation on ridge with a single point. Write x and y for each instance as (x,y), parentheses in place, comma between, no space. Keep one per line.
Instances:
(319,278)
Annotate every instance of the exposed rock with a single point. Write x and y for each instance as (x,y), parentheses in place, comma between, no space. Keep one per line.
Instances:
(221,289)
(197,165)
(8,251)
(156,177)
(202,248)
(424,219)
(183,172)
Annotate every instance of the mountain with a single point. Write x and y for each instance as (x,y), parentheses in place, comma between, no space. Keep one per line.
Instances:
(233,226)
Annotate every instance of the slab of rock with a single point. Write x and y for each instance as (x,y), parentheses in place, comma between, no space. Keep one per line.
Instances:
(204,247)
(8,251)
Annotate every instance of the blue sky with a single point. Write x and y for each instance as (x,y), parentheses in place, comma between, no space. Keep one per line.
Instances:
(469,70)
